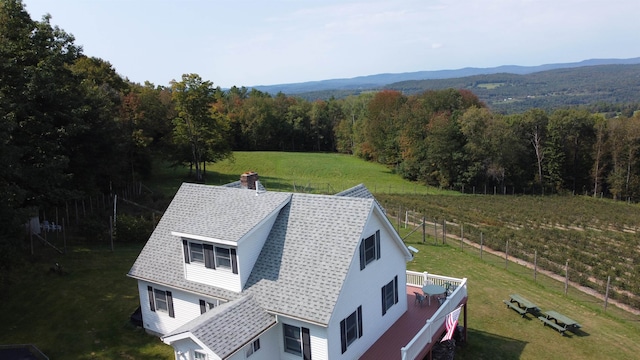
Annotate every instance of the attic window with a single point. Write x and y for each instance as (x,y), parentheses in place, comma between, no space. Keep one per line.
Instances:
(369,249)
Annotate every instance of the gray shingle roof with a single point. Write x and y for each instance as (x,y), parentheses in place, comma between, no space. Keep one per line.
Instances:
(308,251)
(224,213)
(360,191)
(308,254)
(161,260)
(228,327)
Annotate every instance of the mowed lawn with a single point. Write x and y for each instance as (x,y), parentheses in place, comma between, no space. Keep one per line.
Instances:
(82,313)
(300,172)
(496,332)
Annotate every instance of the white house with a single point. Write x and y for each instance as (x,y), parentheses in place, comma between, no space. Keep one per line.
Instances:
(231,273)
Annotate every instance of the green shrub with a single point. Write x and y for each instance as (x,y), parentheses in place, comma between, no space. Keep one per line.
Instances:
(133,228)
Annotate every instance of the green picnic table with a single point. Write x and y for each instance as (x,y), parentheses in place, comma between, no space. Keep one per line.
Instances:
(559,321)
(521,305)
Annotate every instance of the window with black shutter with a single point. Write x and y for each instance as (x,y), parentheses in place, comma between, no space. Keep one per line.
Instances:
(389,295)
(369,249)
(160,300)
(351,329)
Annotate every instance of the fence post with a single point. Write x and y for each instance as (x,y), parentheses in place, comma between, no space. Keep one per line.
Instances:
(535,265)
(111,231)
(506,255)
(481,243)
(461,236)
(424,230)
(64,236)
(606,294)
(566,277)
(444,231)
(435,231)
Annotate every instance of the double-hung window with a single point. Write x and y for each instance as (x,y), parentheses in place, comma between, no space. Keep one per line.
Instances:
(196,251)
(297,341)
(160,300)
(351,329)
(292,339)
(389,295)
(369,249)
(223,257)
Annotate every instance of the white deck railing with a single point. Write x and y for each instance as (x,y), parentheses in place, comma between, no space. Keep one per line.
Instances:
(426,334)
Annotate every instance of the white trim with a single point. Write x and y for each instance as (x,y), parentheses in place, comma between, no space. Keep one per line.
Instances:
(394,234)
(186,236)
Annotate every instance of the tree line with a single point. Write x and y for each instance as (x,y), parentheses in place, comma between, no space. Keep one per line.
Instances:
(71,126)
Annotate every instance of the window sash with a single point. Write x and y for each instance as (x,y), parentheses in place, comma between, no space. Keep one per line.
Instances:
(223,257)
(196,251)
(197,355)
(292,339)
(369,249)
(351,328)
(389,295)
(161,302)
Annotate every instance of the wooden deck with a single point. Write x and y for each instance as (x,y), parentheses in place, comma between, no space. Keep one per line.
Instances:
(402,331)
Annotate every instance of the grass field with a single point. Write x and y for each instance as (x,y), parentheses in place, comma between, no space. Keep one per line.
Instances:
(84,313)
(496,332)
(81,314)
(300,172)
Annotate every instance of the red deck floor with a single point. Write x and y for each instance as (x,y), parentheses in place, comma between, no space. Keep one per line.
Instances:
(402,331)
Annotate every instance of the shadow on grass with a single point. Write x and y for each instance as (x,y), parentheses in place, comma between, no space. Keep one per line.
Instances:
(480,343)
(580,333)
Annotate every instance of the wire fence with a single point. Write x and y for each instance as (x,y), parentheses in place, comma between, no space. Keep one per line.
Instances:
(92,219)
(568,277)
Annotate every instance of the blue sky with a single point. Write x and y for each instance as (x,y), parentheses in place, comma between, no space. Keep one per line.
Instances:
(246,43)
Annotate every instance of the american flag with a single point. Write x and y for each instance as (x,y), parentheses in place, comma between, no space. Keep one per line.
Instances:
(451,322)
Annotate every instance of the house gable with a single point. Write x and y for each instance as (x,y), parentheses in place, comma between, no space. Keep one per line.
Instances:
(373,292)
(305,259)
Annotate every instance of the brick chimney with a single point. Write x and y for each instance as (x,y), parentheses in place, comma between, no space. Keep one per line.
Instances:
(248,180)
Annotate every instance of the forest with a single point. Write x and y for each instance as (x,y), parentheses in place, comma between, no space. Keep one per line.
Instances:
(71,126)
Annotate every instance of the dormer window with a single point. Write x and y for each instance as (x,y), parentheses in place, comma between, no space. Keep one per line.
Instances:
(223,257)
(197,252)
(212,257)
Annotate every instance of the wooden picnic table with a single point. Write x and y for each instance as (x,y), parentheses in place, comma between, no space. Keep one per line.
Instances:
(559,321)
(521,304)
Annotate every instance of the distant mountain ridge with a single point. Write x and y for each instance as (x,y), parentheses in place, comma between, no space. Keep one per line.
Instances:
(377,81)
